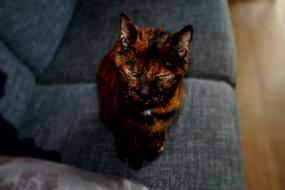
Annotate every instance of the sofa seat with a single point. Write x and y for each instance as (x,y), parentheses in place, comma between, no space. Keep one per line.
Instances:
(203,150)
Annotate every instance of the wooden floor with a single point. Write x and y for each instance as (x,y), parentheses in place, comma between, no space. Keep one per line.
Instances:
(259,28)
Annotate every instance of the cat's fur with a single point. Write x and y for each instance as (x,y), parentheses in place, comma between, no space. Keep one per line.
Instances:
(140,88)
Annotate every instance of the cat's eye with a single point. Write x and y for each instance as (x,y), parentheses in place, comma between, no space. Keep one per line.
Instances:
(170,67)
(165,77)
(130,63)
(168,64)
(134,74)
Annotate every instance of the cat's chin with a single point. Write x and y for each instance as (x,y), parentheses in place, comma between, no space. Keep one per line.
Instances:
(143,105)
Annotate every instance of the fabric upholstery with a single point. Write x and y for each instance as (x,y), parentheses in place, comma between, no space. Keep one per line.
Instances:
(95,28)
(33,29)
(17,87)
(25,173)
(202,152)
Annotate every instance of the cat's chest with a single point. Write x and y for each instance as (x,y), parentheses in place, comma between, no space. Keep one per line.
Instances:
(147,113)
(142,116)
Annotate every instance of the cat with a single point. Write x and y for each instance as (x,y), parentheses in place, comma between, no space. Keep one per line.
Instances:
(140,88)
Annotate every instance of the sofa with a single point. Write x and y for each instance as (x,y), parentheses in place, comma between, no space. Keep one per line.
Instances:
(49,53)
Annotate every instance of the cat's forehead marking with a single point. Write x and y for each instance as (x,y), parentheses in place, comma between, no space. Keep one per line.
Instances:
(141,45)
(149,38)
(142,41)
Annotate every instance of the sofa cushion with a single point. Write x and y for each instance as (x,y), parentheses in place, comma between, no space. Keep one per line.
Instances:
(95,28)
(202,152)
(26,173)
(33,29)
(16,86)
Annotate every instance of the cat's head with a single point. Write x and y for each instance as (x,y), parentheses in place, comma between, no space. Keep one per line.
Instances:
(151,62)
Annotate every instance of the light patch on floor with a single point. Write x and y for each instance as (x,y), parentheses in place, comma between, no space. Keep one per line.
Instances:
(260,39)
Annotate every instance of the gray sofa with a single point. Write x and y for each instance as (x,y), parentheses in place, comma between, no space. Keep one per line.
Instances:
(49,52)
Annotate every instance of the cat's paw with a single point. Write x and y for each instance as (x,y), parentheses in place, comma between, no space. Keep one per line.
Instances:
(135,161)
(152,154)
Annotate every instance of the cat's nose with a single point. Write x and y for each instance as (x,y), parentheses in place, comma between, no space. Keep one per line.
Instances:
(145,92)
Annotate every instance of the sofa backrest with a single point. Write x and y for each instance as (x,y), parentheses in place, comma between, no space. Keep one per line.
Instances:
(33,29)
(17,86)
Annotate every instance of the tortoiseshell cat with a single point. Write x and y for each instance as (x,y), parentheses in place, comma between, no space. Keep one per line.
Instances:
(140,88)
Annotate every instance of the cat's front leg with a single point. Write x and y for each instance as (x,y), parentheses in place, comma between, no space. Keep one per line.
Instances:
(127,151)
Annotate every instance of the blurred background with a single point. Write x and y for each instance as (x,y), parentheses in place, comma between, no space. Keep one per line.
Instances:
(259,28)
(259,31)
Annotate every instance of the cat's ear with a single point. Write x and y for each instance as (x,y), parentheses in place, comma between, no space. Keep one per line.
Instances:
(128,31)
(182,40)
